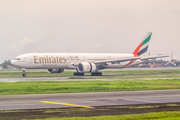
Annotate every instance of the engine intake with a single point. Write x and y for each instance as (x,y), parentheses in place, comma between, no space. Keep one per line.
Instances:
(55,70)
(86,67)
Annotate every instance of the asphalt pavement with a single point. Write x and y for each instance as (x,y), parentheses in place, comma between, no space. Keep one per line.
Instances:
(88,100)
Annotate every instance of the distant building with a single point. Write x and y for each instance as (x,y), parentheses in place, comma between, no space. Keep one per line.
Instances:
(174,60)
(152,65)
(170,64)
(9,67)
(143,65)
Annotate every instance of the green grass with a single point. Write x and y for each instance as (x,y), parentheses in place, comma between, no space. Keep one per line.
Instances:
(114,84)
(70,73)
(135,76)
(169,118)
(148,116)
(33,74)
(141,72)
(43,87)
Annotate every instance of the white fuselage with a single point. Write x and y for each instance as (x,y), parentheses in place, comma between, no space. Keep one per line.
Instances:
(68,60)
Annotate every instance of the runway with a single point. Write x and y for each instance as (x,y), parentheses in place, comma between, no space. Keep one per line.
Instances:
(79,78)
(88,100)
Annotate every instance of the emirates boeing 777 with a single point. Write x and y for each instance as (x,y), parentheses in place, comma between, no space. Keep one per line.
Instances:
(84,62)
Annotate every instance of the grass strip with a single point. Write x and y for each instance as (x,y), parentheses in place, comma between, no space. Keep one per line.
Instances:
(44,87)
(141,72)
(34,74)
(169,118)
(134,77)
(148,116)
(70,73)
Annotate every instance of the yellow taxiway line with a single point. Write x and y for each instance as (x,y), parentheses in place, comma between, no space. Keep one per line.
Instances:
(66,104)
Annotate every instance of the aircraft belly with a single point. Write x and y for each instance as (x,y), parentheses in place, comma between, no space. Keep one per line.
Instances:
(47,66)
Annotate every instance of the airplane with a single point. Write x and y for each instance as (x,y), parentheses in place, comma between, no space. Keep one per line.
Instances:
(84,62)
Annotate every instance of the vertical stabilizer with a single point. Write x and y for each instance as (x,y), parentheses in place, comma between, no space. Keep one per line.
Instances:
(143,46)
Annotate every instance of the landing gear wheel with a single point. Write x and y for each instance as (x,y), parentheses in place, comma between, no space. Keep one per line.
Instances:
(24,75)
(96,74)
(100,73)
(23,72)
(78,74)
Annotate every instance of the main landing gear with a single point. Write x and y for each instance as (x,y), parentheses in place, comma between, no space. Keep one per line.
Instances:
(93,74)
(78,74)
(96,73)
(24,72)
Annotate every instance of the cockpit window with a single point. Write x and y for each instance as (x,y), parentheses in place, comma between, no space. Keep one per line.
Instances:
(17,59)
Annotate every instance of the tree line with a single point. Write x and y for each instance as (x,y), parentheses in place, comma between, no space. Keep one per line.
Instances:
(5,63)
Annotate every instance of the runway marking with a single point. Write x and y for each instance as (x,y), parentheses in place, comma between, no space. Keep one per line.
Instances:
(66,104)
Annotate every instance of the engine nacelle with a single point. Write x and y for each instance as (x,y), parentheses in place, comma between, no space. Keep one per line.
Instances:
(86,67)
(55,70)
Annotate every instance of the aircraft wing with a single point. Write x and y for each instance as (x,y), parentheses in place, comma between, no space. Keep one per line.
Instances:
(129,59)
(152,57)
(113,61)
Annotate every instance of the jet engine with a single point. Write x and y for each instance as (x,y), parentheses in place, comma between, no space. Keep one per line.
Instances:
(55,70)
(86,67)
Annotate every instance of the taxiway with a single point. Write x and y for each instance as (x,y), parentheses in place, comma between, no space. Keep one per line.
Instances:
(88,100)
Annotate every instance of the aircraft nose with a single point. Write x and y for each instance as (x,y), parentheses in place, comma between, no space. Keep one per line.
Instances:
(13,63)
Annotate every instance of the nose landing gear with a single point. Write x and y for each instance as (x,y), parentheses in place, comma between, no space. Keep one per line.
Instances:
(23,72)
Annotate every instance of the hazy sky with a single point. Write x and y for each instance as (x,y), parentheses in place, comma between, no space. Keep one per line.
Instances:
(107,26)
